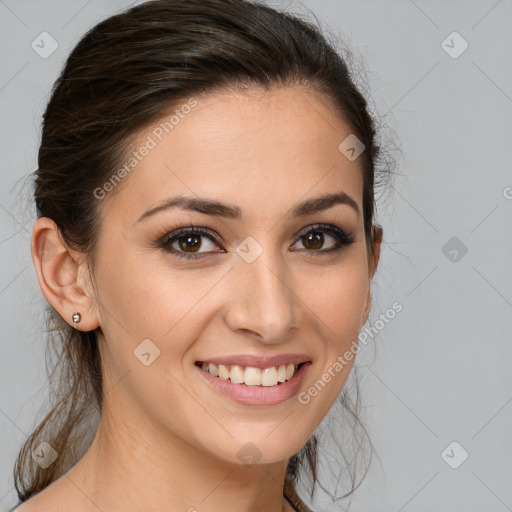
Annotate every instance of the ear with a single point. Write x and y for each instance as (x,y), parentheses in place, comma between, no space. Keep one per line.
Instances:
(63,275)
(377,234)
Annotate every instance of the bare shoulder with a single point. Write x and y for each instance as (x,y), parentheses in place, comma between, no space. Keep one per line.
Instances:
(53,498)
(27,506)
(34,504)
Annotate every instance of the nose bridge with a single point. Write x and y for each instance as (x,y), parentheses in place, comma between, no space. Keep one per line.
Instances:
(265,302)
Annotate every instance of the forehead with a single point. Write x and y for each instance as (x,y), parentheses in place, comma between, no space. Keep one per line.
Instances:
(275,146)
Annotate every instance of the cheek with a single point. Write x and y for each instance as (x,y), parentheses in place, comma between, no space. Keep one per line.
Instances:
(338,301)
(156,312)
(338,306)
(142,298)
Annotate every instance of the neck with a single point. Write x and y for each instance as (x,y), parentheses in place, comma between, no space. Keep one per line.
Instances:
(131,465)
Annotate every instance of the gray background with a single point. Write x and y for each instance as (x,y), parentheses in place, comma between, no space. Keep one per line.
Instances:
(439,371)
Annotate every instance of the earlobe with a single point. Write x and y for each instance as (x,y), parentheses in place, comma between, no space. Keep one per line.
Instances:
(57,269)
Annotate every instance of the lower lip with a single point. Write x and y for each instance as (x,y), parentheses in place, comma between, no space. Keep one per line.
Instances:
(258,395)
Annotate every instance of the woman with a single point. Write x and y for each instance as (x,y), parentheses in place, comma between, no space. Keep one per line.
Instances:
(206,243)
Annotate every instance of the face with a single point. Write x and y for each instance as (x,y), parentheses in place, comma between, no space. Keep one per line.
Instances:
(265,281)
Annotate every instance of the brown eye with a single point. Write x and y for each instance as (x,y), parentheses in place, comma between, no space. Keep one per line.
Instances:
(314,239)
(187,242)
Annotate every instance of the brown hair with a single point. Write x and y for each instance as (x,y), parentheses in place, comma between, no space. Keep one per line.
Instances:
(123,75)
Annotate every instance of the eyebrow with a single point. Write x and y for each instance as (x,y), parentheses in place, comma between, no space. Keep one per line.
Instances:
(218,209)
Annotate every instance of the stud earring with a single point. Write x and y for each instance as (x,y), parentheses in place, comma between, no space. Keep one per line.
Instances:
(76,318)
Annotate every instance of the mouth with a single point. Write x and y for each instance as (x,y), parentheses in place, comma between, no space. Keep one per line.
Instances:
(251,386)
(251,376)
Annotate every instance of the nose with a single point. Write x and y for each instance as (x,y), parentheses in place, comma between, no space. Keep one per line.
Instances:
(264,300)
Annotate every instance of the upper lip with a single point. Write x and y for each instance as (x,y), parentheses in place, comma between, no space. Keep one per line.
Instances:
(258,361)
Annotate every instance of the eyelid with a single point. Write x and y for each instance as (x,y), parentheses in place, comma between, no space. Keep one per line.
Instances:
(176,233)
(321,226)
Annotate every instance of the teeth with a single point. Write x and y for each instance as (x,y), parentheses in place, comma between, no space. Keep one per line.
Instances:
(236,374)
(251,376)
(269,376)
(212,368)
(223,372)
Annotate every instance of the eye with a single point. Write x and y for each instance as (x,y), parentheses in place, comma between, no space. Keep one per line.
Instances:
(313,239)
(186,242)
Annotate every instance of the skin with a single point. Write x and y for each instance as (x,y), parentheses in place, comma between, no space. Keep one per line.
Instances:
(166,441)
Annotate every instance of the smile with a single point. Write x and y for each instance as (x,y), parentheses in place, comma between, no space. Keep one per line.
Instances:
(251,376)
(253,386)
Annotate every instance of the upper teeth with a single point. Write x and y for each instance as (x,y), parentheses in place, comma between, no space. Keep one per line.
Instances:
(251,376)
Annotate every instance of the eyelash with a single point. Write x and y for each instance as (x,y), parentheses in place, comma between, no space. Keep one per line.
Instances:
(342,238)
